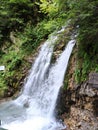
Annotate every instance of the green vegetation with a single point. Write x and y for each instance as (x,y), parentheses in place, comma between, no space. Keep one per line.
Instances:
(25,24)
(87,19)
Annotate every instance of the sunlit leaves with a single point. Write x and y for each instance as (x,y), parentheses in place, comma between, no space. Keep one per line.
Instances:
(49,7)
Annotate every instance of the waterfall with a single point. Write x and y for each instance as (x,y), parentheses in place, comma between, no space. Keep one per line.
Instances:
(34,108)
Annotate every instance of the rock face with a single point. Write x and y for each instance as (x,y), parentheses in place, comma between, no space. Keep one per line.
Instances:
(78,107)
(93,80)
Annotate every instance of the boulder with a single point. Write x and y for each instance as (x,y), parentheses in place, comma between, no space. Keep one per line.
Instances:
(93,80)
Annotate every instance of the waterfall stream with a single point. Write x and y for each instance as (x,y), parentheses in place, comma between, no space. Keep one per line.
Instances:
(34,108)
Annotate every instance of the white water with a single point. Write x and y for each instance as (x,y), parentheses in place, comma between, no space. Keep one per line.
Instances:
(34,109)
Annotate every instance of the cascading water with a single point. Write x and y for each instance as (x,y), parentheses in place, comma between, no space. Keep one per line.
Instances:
(34,108)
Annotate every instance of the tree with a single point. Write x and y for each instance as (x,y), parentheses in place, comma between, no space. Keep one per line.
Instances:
(16,14)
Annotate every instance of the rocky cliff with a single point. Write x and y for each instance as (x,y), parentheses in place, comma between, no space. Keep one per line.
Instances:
(77,105)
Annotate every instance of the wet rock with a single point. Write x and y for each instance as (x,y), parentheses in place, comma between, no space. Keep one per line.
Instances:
(78,107)
(2,129)
(26,105)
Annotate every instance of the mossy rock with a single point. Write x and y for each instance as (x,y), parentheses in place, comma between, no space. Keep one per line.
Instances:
(3,128)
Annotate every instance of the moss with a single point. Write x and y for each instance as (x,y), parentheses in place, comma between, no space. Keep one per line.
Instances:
(12,58)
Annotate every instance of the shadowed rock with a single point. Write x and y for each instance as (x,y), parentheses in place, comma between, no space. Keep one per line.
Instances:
(93,80)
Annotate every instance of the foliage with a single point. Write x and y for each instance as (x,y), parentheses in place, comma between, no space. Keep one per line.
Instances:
(48,7)
(15,14)
(14,61)
(84,14)
(33,36)
(84,66)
